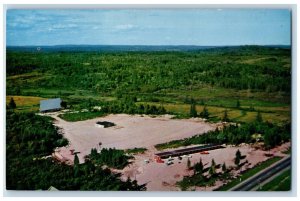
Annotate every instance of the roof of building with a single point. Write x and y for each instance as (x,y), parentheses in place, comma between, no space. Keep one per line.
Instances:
(50,104)
(105,124)
(52,188)
(190,150)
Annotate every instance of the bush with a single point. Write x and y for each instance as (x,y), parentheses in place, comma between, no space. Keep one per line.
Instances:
(111,157)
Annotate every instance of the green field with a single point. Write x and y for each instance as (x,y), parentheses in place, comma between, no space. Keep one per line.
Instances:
(26,103)
(271,114)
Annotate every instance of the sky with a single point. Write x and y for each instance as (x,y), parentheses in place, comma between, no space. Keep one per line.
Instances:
(203,27)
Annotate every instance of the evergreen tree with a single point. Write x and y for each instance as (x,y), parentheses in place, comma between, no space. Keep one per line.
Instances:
(188,164)
(193,111)
(76,166)
(63,104)
(259,117)
(237,159)
(76,160)
(271,139)
(187,100)
(238,104)
(212,169)
(161,110)
(224,168)
(225,116)
(204,113)
(12,104)
(198,168)
(147,109)
(141,109)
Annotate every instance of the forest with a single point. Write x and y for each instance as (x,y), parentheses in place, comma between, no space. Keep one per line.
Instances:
(117,73)
(135,82)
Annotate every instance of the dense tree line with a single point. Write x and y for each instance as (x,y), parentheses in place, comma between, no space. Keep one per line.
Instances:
(126,104)
(29,139)
(272,135)
(128,108)
(147,72)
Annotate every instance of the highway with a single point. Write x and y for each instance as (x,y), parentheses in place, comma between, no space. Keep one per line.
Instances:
(263,175)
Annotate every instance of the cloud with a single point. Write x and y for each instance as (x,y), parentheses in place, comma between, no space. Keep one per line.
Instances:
(145,26)
(125,26)
(64,26)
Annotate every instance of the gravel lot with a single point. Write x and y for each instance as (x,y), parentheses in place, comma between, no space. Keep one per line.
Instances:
(144,131)
(130,131)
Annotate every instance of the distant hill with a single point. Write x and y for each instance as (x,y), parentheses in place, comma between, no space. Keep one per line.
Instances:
(131,48)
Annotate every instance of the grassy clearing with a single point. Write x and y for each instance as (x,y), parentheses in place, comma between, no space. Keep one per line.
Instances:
(274,107)
(136,150)
(271,114)
(280,183)
(277,117)
(248,173)
(80,116)
(68,95)
(228,97)
(254,60)
(26,103)
(30,75)
(229,102)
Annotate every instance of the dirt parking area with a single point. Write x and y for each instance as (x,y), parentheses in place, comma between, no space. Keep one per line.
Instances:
(161,177)
(130,131)
(145,131)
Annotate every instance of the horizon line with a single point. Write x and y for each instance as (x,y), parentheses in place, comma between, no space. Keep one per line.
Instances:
(148,45)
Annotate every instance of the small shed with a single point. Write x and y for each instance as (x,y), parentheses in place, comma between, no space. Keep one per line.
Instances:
(50,105)
(104,124)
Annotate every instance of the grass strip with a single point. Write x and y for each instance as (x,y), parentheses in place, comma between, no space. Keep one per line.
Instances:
(80,116)
(280,183)
(136,150)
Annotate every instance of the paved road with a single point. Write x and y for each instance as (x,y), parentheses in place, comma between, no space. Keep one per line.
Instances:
(263,175)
